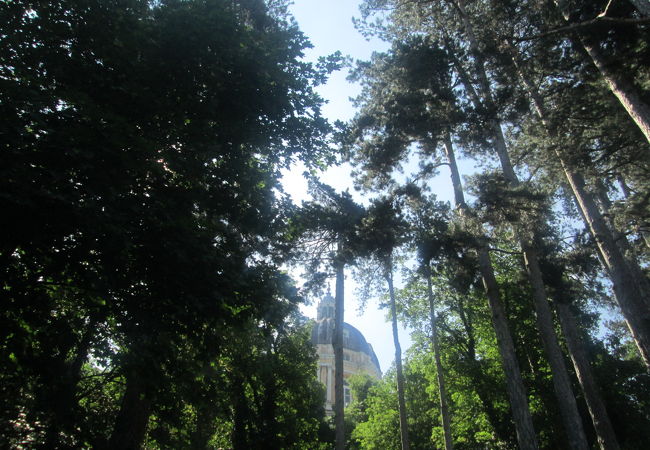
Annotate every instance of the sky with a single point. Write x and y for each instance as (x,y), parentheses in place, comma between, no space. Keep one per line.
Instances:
(328,25)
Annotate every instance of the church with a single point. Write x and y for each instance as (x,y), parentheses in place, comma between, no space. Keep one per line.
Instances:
(358,355)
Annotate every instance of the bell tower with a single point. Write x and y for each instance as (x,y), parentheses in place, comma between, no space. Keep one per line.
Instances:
(326,307)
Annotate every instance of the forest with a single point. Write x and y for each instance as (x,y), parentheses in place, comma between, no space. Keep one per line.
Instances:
(149,252)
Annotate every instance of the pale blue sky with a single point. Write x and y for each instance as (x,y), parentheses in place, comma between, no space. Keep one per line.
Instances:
(328,24)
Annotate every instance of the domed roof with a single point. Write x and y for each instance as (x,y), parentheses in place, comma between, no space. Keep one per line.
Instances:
(323,333)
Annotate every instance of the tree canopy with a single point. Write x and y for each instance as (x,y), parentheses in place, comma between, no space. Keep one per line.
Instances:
(147,242)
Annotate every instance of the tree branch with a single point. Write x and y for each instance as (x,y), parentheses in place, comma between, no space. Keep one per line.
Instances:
(600,20)
(500,250)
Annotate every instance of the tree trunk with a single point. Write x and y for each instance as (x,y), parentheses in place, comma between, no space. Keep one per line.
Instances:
(543,316)
(544,319)
(206,415)
(624,90)
(133,417)
(403,423)
(626,193)
(502,425)
(514,383)
(269,401)
(643,6)
(606,206)
(628,288)
(241,414)
(621,239)
(604,431)
(337,343)
(600,419)
(560,376)
(444,408)
(590,214)
(65,406)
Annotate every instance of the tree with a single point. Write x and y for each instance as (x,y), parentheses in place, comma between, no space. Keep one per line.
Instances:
(429,221)
(483,48)
(140,172)
(467,348)
(380,430)
(629,284)
(526,235)
(623,89)
(329,229)
(384,230)
(428,120)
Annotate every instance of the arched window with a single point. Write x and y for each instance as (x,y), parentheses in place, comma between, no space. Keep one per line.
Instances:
(347,393)
(346,337)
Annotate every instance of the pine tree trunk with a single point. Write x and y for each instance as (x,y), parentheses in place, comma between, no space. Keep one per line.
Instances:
(206,415)
(543,316)
(621,239)
(626,193)
(544,319)
(560,376)
(606,205)
(337,343)
(442,392)
(604,431)
(643,6)
(599,417)
(624,90)
(403,423)
(269,401)
(502,426)
(133,417)
(514,383)
(628,288)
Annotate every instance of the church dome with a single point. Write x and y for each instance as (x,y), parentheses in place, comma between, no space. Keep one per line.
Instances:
(353,340)
(358,355)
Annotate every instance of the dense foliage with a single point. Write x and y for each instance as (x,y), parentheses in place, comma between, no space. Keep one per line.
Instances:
(145,230)
(505,293)
(144,225)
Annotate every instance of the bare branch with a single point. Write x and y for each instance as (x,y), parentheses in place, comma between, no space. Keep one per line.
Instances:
(604,13)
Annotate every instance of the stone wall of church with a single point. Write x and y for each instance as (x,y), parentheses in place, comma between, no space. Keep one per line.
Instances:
(353,363)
